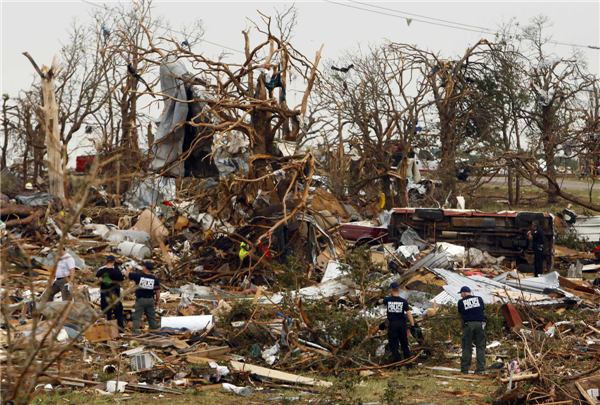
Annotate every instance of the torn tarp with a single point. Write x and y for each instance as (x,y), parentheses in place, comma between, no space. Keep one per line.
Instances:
(34,199)
(411,237)
(171,131)
(151,191)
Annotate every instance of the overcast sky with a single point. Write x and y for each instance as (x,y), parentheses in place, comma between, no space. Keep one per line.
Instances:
(39,27)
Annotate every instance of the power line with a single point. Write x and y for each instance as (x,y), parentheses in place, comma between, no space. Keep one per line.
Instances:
(418,15)
(472,28)
(178,32)
(404,18)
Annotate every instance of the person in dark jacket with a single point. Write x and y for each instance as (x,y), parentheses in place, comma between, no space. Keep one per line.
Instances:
(537,240)
(110,290)
(147,296)
(398,311)
(472,311)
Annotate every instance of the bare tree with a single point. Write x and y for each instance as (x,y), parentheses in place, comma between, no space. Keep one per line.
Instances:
(558,85)
(452,87)
(9,113)
(375,100)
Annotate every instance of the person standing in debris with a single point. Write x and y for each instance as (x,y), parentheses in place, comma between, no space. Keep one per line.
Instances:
(64,280)
(147,295)
(398,311)
(244,255)
(537,240)
(471,309)
(110,290)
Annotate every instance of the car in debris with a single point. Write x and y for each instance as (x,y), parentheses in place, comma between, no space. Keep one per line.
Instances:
(498,233)
(427,162)
(364,232)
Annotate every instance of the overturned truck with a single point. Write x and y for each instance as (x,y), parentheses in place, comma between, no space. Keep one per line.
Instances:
(498,233)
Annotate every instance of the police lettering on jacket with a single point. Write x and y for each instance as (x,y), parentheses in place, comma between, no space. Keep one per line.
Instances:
(472,309)
(396,308)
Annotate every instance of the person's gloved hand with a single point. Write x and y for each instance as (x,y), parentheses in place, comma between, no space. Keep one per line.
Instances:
(71,287)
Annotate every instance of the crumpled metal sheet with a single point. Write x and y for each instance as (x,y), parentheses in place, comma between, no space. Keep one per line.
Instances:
(480,286)
(531,284)
(432,260)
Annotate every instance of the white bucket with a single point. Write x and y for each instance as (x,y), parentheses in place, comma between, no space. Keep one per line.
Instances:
(112,385)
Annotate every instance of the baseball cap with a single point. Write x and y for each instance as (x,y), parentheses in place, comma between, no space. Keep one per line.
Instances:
(148,265)
(110,258)
(394,285)
(464,289)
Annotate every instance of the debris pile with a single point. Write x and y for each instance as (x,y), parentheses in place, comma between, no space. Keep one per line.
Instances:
(267,276)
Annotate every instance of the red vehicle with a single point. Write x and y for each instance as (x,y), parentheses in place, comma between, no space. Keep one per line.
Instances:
(364,232)
(83,163)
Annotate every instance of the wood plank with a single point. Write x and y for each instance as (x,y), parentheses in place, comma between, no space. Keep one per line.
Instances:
(180,344)
(156,341)
(198,360)
(521,377)
(208,387)
(278,375)
(585,395)
(257,295)
(211,352)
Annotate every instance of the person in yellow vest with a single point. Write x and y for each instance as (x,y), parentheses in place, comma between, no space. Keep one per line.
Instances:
(244,255)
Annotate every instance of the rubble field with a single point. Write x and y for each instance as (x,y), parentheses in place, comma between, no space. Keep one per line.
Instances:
(292,321)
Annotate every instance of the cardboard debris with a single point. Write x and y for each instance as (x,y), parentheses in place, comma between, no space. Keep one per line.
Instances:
(148,222)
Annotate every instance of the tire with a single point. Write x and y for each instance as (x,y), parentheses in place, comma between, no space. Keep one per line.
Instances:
(524,219)
(431,214)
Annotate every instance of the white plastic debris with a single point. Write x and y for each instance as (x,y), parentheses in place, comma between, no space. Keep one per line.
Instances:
(111,386)
(243,391)
(221,371)
(408,251)
(271,355)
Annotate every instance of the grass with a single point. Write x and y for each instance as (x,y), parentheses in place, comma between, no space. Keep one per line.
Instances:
(407,387)
(533,199)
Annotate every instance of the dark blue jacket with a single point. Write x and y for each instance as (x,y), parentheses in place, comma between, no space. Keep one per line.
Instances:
(472,309)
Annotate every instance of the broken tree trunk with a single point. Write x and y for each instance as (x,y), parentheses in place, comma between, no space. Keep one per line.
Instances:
(26,214)
(49,113)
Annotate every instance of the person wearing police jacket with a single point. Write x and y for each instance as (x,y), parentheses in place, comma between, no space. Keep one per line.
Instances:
(537,240)
(398,311)
(472,311)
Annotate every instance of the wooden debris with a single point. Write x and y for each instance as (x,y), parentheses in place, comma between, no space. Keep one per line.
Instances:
(278,375)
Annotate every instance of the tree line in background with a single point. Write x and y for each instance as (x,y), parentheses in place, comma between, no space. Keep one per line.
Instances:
(504,107)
